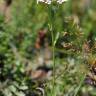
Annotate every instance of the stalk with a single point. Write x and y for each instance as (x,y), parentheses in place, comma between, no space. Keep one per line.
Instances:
(51,18)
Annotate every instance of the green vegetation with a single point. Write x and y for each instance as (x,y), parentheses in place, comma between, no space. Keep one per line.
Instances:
(68,34)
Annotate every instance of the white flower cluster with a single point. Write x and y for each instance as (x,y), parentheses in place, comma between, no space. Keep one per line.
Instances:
(61,1)
(50,1)
(45,1)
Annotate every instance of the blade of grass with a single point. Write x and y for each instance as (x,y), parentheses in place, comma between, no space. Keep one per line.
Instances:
(81,82)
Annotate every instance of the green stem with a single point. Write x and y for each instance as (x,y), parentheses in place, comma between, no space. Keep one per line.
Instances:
(53,57)
(53,48)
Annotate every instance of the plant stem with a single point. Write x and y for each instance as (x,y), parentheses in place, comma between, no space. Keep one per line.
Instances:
(53,57)
(51,19)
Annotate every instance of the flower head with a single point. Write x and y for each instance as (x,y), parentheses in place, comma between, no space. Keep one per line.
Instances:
(50,1)
(45,1)
(61,1)
(40,1)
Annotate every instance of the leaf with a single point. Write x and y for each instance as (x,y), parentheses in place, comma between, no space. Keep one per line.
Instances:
(12,88)
(7,92)
(20,94)
(23,87)
(57,36)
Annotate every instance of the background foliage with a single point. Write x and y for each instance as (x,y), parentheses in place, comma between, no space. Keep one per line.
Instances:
(17,47)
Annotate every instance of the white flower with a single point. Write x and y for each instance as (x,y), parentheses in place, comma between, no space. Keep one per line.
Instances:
(50,1)
(45,1)
(61,1)
(40,1)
